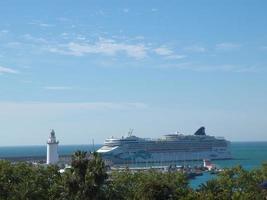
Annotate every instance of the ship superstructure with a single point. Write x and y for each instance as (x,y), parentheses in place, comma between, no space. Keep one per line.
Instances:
(171,147)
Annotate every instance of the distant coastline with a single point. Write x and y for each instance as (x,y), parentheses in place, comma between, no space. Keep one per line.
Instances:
(247,154)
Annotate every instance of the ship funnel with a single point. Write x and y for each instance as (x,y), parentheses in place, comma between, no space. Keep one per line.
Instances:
(200,131)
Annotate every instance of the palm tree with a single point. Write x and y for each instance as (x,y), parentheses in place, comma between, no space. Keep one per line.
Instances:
(211,187)
(87,177)
(79,164)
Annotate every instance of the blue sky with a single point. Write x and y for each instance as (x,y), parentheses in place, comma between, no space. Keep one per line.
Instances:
(93,69)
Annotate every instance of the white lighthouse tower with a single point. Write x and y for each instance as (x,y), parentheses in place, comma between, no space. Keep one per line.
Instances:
(52,149)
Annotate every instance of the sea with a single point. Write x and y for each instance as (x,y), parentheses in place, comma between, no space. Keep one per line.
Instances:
(249,155)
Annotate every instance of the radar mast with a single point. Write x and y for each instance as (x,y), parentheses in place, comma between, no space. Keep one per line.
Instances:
(130,132)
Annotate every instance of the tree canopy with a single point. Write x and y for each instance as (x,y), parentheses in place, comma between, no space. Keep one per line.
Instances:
(88,179)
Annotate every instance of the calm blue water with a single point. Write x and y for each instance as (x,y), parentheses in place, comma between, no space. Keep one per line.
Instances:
(24,151)
(247,154)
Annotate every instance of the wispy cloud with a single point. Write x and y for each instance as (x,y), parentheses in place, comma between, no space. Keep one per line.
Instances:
(195,48)
(41,24)
(167,53)
(101,12)
(7,70)
(13,44)
(46,25)
(163,51)
(81,45)
(43,107)
(175,57)
(140,37)
(125,10)
(103,46)
(4,31)
(39,40)
(197,67)
(223,67)
(227,46)
(58,88)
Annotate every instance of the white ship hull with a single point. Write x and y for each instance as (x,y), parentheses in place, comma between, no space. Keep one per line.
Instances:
(121,156)
(171,148)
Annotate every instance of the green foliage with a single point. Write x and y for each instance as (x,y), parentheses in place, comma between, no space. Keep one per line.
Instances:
(234,183)
(25,181)
(122,185)
(157,185)
(87,179)
(147,185)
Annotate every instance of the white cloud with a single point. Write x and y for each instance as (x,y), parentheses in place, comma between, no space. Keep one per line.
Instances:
(227,46)
(126,10)
(184,65)
(231,68)
(63,19)
(14,44)
(163,51)
(44,107)
(140,37)
(46,25)
(195,48)
(35,39)
(154,9)
(167,53)
(57,88)
(225,67)
(41,24)
(82,46)
(7,70)
(4,31)
(203,68)
(175,57)
(103,46)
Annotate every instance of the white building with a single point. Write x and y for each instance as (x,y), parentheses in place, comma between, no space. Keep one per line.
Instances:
(52,149)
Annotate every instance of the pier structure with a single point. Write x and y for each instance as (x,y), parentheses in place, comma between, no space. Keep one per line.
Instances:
(52,149)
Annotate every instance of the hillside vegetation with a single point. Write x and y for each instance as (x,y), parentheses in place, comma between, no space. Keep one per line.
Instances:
(87,179)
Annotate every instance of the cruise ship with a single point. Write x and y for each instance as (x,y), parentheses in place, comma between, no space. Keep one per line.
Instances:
(169,148)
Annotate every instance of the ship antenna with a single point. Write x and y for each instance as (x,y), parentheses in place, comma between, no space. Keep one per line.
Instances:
(93,143)
(130,133)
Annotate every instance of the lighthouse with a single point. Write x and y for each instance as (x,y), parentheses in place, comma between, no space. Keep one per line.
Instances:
(52,149)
